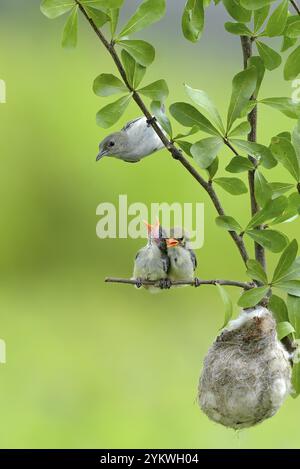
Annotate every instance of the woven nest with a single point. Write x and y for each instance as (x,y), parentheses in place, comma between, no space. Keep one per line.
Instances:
(246,374)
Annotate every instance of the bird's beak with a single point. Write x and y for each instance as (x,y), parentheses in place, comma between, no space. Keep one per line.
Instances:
(172,242)
(148,226)
(101,154)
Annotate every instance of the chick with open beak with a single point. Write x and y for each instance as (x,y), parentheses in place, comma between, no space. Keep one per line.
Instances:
(152,262)
(183,261)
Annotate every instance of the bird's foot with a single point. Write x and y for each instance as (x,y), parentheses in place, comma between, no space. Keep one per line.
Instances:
(165,284)
(138,282)
(197,282)
(151,121)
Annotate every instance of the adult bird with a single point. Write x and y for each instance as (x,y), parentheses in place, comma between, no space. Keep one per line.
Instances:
(152,261)
(134,142)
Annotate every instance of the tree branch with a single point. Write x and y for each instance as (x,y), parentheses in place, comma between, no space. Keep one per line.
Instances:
(252,137)
(193,283)
(173,150)
(295,6)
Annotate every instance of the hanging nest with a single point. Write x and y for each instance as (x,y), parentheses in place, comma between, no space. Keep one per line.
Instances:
(247,372)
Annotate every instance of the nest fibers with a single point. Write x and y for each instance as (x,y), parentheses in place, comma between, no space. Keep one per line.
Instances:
(247,373)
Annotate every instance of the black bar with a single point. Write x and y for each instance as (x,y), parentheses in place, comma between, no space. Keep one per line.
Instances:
(86,458)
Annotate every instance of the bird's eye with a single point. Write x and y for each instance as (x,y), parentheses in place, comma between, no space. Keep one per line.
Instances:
(111,144)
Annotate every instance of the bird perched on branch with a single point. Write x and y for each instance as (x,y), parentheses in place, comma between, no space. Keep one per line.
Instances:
(152,262)
(133,143)
(183,260)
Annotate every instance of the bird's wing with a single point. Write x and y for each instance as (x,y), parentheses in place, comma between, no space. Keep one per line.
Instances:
(138,254)
(130,123)
(194,258)
(166,263)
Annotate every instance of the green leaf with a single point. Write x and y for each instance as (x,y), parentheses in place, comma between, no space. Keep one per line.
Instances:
(134,71)
(296,139)
(243,87)
(228,223)
(258,63)
(111,113)
(287,43)
(279,188)
(272,240)
(193,130)
(292,287)
(284,329)
(289,213)
(239,164)
(293,304)
(102,4)
(213,168)
(294,200)
(141,51)
(54,8)
(237,11)
(243,128)
(270,57)
(114,14)
(228,305)
(157,91)
(205,151)
(188,116)
(278,308)
(263,192)
(185,146)
(258,151)
(293,29)
(255,4)
(98,16)
(284,152)
(273,209)
(292,65)
(256,272)
(232,185)
(285,262)
(239,29)
(260,17)
(252,297)
(193,20)
(277,21)
(106,85)
(284,105)
(69,39)
(295,380)
(149,12)
(158,111)
(200,98)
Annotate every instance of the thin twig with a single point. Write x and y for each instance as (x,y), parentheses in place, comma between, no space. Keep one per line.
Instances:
(252,137)
(193,283)
(295,6)
(175,152)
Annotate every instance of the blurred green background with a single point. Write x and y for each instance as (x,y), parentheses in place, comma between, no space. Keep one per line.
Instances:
(89,364)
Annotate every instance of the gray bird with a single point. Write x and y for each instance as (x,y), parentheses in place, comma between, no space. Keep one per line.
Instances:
(134,142)
(152,261)
(183,260)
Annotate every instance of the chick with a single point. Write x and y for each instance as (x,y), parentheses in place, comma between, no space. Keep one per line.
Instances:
(183,261)
(152,261)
